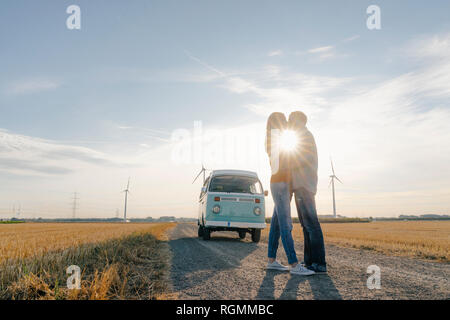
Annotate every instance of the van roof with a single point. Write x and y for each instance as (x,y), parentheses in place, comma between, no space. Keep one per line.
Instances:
(234,172)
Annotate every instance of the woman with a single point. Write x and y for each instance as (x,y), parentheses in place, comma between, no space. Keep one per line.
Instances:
(281,223)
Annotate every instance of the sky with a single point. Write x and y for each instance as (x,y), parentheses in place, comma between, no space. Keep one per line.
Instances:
(152,89)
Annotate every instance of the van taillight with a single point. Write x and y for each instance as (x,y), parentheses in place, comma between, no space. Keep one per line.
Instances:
(216,198)
(257,200)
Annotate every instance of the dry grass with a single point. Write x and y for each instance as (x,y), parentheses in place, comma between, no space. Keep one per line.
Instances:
(18,241)
(118,261)
(418,239)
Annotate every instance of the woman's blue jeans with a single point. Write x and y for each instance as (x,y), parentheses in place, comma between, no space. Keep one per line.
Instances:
(281,223)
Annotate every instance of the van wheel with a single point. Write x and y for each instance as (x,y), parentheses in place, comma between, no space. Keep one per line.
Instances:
(242,234)
(200,231)
(206,234)
(256,235)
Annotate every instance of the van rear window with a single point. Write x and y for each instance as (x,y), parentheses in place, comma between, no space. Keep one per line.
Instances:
(235,184)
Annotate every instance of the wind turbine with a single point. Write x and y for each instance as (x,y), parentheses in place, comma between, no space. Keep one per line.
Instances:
(127,190)
(201,171)
(19,211)
(332,177)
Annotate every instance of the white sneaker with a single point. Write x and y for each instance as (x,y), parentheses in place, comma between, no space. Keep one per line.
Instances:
(277,266)
(301,271)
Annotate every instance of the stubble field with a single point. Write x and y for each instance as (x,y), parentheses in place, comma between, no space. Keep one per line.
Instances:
(117,261)
(428,240)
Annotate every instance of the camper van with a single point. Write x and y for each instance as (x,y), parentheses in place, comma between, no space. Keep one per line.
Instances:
(232,200)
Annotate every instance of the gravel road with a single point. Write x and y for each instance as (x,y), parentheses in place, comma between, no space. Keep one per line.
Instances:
(228,268)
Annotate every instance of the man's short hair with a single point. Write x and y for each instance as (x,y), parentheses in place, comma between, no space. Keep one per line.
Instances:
(298,118)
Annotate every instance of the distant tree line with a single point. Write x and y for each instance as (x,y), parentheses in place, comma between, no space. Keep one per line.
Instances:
(331,219)
(422,217)
(147,219)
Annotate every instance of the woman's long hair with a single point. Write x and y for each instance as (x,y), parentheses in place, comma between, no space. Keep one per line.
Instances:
(276,121)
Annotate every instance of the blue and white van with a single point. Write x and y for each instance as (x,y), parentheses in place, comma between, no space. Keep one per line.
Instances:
(232,200)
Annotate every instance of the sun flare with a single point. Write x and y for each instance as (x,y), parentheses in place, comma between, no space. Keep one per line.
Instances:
(288,140)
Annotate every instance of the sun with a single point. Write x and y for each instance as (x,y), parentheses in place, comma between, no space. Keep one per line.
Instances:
(288,140)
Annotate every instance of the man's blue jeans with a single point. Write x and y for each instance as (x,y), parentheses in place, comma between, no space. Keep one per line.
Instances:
(281,223)
(312,232)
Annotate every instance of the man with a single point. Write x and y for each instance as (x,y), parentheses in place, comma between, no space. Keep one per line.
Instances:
(304,187)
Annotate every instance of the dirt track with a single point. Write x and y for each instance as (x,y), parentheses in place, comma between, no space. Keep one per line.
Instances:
(228,268)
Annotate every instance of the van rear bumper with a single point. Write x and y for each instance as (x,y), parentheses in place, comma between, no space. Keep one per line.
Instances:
(231,224)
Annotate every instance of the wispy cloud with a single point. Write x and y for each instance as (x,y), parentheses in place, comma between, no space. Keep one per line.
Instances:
(160,135)
(426,47)
(278,89)
(321,49)
(319,54)
(275,53)
(23,154)
(31,86)
(207,66)
(352,38)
